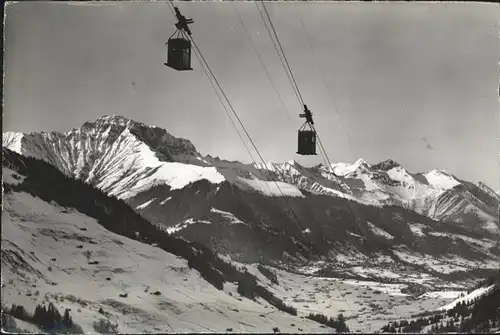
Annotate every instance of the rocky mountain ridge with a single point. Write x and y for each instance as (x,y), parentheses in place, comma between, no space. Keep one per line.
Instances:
(350,214)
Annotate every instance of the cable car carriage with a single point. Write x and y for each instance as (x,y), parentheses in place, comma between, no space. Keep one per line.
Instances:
(179,47)
(307,135)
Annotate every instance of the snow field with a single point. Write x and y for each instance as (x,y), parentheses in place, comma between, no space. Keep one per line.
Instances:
(45,235)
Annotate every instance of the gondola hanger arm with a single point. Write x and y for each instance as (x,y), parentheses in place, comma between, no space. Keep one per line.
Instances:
(307,115)
(183,21)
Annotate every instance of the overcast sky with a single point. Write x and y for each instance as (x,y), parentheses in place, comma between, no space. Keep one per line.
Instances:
(414,82)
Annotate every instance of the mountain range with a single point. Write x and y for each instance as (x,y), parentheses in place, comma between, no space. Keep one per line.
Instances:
(282,213)
(239,247)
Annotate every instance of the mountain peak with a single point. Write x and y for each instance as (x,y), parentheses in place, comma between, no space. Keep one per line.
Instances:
(344,169)
(167,146)
(99,149)
(360,161)
(386,165)
(441,179)
(440,172)
(113,120)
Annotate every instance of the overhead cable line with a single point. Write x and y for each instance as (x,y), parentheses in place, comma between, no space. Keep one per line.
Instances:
(209,71)
(324,153)
(322,73)
(280,54)
(322,149)
(262,62)
(301,100)
(286,65)
(323,76)
(227,111)
(179,32)
(309,120)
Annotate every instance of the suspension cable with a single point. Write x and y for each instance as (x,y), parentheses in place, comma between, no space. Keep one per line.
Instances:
(227,111)
(262,63)
(249,137)
(301,101)
(322,149)
(323,76)
(322,73)
(336,109)
(289,73)
(288,70)
(203,60)
(180,33)
(276,47)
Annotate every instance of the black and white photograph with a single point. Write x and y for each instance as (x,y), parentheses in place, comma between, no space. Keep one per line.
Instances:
(250,167)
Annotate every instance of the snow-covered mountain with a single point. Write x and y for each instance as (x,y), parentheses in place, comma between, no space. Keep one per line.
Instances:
(124,158)
(119,156)
(352,213)
(436,194)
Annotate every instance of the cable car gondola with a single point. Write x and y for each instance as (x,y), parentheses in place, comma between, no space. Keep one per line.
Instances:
(179,47)
(307,135)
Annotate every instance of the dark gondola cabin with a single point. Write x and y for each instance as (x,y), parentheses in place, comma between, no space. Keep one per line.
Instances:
(179,54)
(179,47)
(307,137)
(307,142)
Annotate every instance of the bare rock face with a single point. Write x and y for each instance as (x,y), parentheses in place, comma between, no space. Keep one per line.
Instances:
(386,165)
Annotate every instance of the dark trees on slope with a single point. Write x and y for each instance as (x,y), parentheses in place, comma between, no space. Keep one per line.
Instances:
(338,323)
(49,319)
(478,315)
(46,182)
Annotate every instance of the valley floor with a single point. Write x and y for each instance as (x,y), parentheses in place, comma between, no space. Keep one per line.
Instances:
(366,305)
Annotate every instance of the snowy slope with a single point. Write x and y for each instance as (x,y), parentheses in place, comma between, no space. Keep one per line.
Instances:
(469,297)
(441,180)
(124,158)
(12,141)
(120,156)
(44,258)
(11,177)
(344,169)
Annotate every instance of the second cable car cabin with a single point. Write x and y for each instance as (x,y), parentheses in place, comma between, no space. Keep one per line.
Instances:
(179,47)
(179,54)
(307,135)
